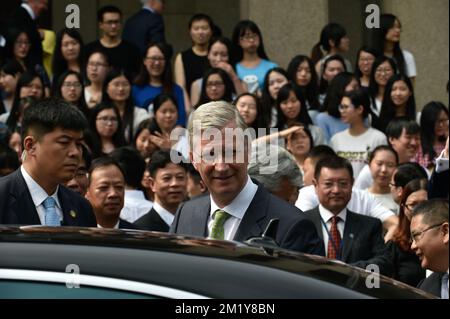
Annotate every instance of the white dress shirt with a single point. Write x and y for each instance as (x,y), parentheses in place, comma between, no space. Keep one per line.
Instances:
(135,206)
(326,216)
(236,209)
(116,226)
(361,203)
(166,216)
(39,195)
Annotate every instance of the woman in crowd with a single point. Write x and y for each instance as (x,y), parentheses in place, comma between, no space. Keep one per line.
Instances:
(69,86)
(117,91)
(105,130)
(219,57)
(68,52)
(192,63)
(387,40)
(334,40)
(433,133)
(252,60)
(329,120)
(302,72)
(10,73)
(332,66)
(216,86)
(274,80)
(398,101)
(407,266)
(250,108)
(144,139)
(155,78)
(292,109)
(97,68)
(382,164)
(382,70)
(364,60)
(299,144)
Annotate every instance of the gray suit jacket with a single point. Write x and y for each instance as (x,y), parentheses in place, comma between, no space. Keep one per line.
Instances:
(362,243)
(294,231)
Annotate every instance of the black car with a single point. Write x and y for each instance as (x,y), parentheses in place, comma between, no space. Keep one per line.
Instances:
(67,262)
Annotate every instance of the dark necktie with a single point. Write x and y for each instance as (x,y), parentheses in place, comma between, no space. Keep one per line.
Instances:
(334,240)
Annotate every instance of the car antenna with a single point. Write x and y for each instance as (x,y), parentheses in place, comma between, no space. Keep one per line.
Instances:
(267,241)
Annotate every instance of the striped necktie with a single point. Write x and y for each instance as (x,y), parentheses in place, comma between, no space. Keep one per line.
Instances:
(51,216)
(218,229)
(334,241)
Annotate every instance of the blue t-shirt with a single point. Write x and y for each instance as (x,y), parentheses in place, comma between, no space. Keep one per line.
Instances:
(254,77)
(145,94)
(330,125)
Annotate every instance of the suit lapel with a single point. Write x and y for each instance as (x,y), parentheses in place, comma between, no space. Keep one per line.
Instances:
(252,224)
(315,217)
(350,229)
(69,211)
(22,204)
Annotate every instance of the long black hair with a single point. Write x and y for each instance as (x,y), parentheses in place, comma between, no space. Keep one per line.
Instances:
(335,92)
(366,49)
(227,96)
(323,84)
(239,31)
(303,116)
(373,85)
(59,64)
(260,121)
(332,31)
(267,102)
(57,86)
(428,119)
(13,68)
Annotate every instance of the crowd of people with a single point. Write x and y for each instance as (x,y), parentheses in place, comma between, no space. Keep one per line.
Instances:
(89,134)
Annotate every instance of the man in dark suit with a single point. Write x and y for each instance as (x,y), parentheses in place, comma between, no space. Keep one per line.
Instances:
(146,26)
(438,184)
(168,182)
(33,194)
(237,208)
(429,235)
(352,238)
(25,17)
(106,193)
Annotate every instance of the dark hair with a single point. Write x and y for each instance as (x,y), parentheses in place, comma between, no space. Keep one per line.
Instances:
(147,124)
(260,121)
(381,148)
(388,107)
(323,84)
(308,134)
(428,119)
(333,162)
(94,139)
(59,64)
(10,67)
(402,233)
(8,158)
(107,9)
(332,31)
(396,126)
(195,175)
(57,86)
(320,151)
(335,92)
(98,50)
(310,92)
(226,80)
(103,161)
(143,77)
(227,43)
(161,159)
(373,85)
(283,95)
(162,98)
(87,156)
(434,211)
(239,31)
(51,113)
(267,102)
(199,17)
(360,97)
(366,49)
(387,21)
(128,114)
(11,37)
(132,163)
(406,172)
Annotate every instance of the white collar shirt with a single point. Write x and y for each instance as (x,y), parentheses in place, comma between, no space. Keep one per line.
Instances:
(165,215)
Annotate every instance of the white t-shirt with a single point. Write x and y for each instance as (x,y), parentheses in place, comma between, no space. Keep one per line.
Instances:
(387,201)
(361,202)
(356,148)
(411,70)
(364,179)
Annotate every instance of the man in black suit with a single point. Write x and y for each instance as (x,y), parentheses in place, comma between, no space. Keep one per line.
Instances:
(438,184)
(429,235)
(237,208)
(33,194)
(25,17)
(106,193)
(168,182)
(352,238)
(146,26)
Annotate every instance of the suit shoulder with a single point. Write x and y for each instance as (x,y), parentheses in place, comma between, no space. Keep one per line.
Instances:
(199,201)
(282,206)
(369,220)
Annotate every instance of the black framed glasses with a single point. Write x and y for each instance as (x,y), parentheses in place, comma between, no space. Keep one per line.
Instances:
(417,236)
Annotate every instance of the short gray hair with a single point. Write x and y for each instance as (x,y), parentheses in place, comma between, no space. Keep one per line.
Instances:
(215,114)
(276,160)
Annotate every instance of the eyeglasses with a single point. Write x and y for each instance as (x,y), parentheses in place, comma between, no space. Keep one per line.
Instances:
(417,236)
(108,120)
(410,206)
(250,36)
(366,60)
(75,85)
(156,59)
(214,84)
(383,71)
(343,107)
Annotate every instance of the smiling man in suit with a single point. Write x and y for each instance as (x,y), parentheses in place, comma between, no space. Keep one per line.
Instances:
(237,208)
(352,238)
(33,194)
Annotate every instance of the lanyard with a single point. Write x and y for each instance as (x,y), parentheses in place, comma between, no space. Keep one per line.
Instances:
(339,251)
